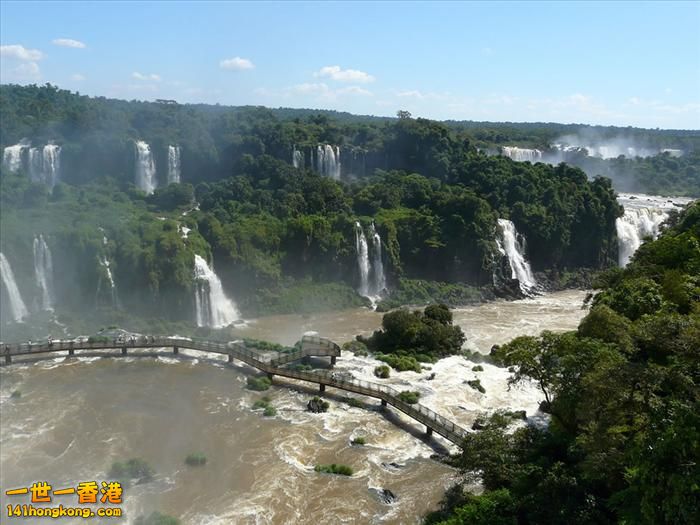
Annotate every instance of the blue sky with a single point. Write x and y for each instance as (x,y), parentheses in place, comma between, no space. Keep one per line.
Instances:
(628,63)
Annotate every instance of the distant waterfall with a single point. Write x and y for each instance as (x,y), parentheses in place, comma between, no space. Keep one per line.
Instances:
(212,307)
(513,247)
(44,164)
(522,154)
(379,279)
(108,277)
(297,158)
(328,161)
(145,168)
(173,164)
(43,271)
(362,259)
(18,310)
(12,156)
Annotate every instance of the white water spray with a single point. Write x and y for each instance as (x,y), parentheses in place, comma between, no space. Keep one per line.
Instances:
(145,168)
(297,158)
(328,161)
(43,271)
(362,251)
(12,156)
(379,279)
(212,307)
(44,164)
(513,247)
(522,154)
(173,164)
(18,310)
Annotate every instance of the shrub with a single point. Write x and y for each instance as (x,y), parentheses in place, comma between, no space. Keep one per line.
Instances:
(130,469)
(261,403)
(334,468)
(476,385)
(258,384)
(382,371)
(358,441)
(196,459)
(356,347)
(477,368)
(317,405)
(16,394)
(270,411)
(409,397)
(400,363)
(353,402)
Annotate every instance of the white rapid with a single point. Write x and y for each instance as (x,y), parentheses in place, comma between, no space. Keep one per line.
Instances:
(43,272)
(145,168)
(328,161)
(297,158)
(513,247)
(173,164)
(18,309)
(212,307)
(379,279)
(12,156)
(362,252)
(522,154)
(44,164)
(644,215)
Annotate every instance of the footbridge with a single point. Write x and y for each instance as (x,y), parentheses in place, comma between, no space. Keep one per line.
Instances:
(269,362)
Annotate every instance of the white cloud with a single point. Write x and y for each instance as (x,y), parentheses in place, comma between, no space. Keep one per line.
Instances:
(21,53)
(355,90)
(236,64)
(344,75)
(152,77)
(77,77)
(24,72)
(413,93)
(68,42)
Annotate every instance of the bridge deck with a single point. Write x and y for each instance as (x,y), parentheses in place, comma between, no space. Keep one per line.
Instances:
(270,363)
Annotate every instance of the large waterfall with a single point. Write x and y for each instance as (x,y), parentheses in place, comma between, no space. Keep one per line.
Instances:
(513,247)
(643,218)
(297,158)
(12,156)
(18,310)
(145,168)
(362,251)
(107,276)
(328,161)
(379,279)
(522,154)
(44,164)
(173,164)
(212,307)
(43,271)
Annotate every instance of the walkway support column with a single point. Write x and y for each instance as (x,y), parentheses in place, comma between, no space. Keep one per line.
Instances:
(428,431)
(230,358)
(270,376)
(71,351)
(176,350)
(8,359)
(332,361)
(123,350)
(321,387)
(383,402)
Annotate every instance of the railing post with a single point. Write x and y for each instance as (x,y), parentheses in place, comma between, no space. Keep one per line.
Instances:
(176,350)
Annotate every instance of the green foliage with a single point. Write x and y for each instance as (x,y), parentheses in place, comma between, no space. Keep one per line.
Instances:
(258,384)
(419,292)
(356,347)
(477,368)
(476,385)
(270,411)
(359,441)
(342,470)
(262,403)
(400,361)
(134,468)
(196,459)
(409,397)
(382,371)
(16,394)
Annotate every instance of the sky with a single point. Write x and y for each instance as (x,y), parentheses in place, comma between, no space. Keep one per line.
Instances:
(626,64)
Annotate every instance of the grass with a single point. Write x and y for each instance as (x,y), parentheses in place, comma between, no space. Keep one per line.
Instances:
(342,470)
(196,459)
(409,397)
(259,384)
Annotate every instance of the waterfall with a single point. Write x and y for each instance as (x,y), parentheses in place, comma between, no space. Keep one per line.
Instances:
(522,154)
(43,270)
(145,168)
(212,307)
(18,310)
(328,161)
(362,259)
(12,156)
(44,164)
(173,164)
(513,247)
(107,271)
(379,281)
(297,158)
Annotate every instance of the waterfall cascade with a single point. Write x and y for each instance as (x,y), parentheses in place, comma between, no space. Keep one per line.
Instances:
(212,307)
(43,271)
(173,164)
(107,271)
(379,279)
(522,154)
(18,309)
(12,156)
(145,168)
(643,218)
(362,251)
(328,161)
(44,164)
(297,158)
(370,266)
(513,247)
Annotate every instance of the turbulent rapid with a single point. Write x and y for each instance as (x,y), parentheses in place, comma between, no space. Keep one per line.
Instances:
(82,414)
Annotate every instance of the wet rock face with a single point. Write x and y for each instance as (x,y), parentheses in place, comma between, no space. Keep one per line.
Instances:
(385,496)
(317,405)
